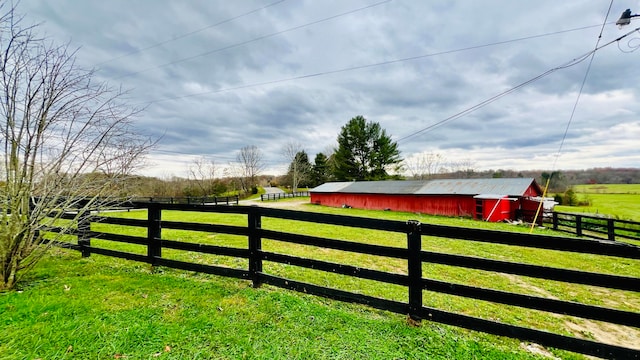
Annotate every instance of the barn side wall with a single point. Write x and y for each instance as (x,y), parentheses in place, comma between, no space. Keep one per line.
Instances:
(497,209)
(447,205)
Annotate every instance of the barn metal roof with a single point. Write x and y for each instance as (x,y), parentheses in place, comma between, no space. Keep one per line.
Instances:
(502,186)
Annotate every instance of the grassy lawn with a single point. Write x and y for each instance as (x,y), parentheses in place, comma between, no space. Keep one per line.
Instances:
(102,307)
(621,201)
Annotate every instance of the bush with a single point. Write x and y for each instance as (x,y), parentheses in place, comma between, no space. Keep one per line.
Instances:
(570,198)
(558,198)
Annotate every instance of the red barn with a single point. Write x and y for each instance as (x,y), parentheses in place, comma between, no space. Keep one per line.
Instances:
(483,199)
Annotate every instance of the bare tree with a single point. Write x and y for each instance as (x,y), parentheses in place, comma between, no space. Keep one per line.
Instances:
(203,173)
(464,168)
(424,165)
(250,161)
(67,143)
(299,166)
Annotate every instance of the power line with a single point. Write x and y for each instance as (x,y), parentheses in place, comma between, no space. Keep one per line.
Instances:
(584,81)
(187,34)
(521,85)
(360,67)
(573,112)
(254,39)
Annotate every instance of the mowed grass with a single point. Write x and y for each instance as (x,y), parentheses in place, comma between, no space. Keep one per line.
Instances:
(620,201)
(102,307)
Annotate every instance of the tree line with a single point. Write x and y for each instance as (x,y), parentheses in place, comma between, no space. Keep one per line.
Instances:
(364,152)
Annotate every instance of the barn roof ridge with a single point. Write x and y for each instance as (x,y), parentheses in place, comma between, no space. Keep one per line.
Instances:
(503,186)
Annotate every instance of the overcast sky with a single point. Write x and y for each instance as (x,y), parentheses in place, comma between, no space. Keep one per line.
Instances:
(218,75)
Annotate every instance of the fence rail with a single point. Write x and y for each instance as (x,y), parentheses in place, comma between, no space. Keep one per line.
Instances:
(411,278)
(595,227)
(201,200)
(276,196)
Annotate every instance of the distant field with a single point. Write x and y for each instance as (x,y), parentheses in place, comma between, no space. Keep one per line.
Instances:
(608,189)
(621,201)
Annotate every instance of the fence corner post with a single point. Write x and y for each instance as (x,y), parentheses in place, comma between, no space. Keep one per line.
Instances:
(154,233)
(255,245)
(414,264)
(611,229)
(84,238)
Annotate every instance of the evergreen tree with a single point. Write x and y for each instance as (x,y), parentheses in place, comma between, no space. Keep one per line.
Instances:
(320,171)
(299,169)
(364,151)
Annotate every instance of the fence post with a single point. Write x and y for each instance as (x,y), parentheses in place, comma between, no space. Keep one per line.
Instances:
(255,245)
(611,229)
(414,262)
(578,225)
(84,240)
(555,220)
(154,233)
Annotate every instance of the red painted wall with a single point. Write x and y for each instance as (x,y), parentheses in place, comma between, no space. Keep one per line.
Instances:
(448,205)
(503,209)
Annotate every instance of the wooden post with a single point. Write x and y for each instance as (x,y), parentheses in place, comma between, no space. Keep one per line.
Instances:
(578,225)
(414,262)
(84,240)
(611,229)
(255,245)
(555,220)
(154,232)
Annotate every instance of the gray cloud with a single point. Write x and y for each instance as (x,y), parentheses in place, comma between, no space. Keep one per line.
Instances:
(296,71)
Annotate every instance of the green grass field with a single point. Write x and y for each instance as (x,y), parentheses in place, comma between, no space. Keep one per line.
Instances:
(621,201)
(102,307)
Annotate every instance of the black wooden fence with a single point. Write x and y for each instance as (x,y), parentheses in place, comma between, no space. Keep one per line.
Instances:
(417,234)
(201,200)
(595,227)
(276,196)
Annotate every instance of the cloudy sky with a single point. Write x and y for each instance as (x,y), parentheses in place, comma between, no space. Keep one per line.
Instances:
(455,78)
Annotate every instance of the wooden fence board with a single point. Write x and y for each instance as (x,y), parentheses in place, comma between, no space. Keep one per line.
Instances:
(128,239)
(331,219)
(536,271)
(374,302)
(343,245)
(203,268)
(583,346)
(341,269)
(534,302)
(602,247)
(212,228)
(205,248)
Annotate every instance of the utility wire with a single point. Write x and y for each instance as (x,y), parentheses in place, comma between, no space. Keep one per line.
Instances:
(206,53)
(360,67)
(187,34)
(584,80)
(573,112)
(504,93)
